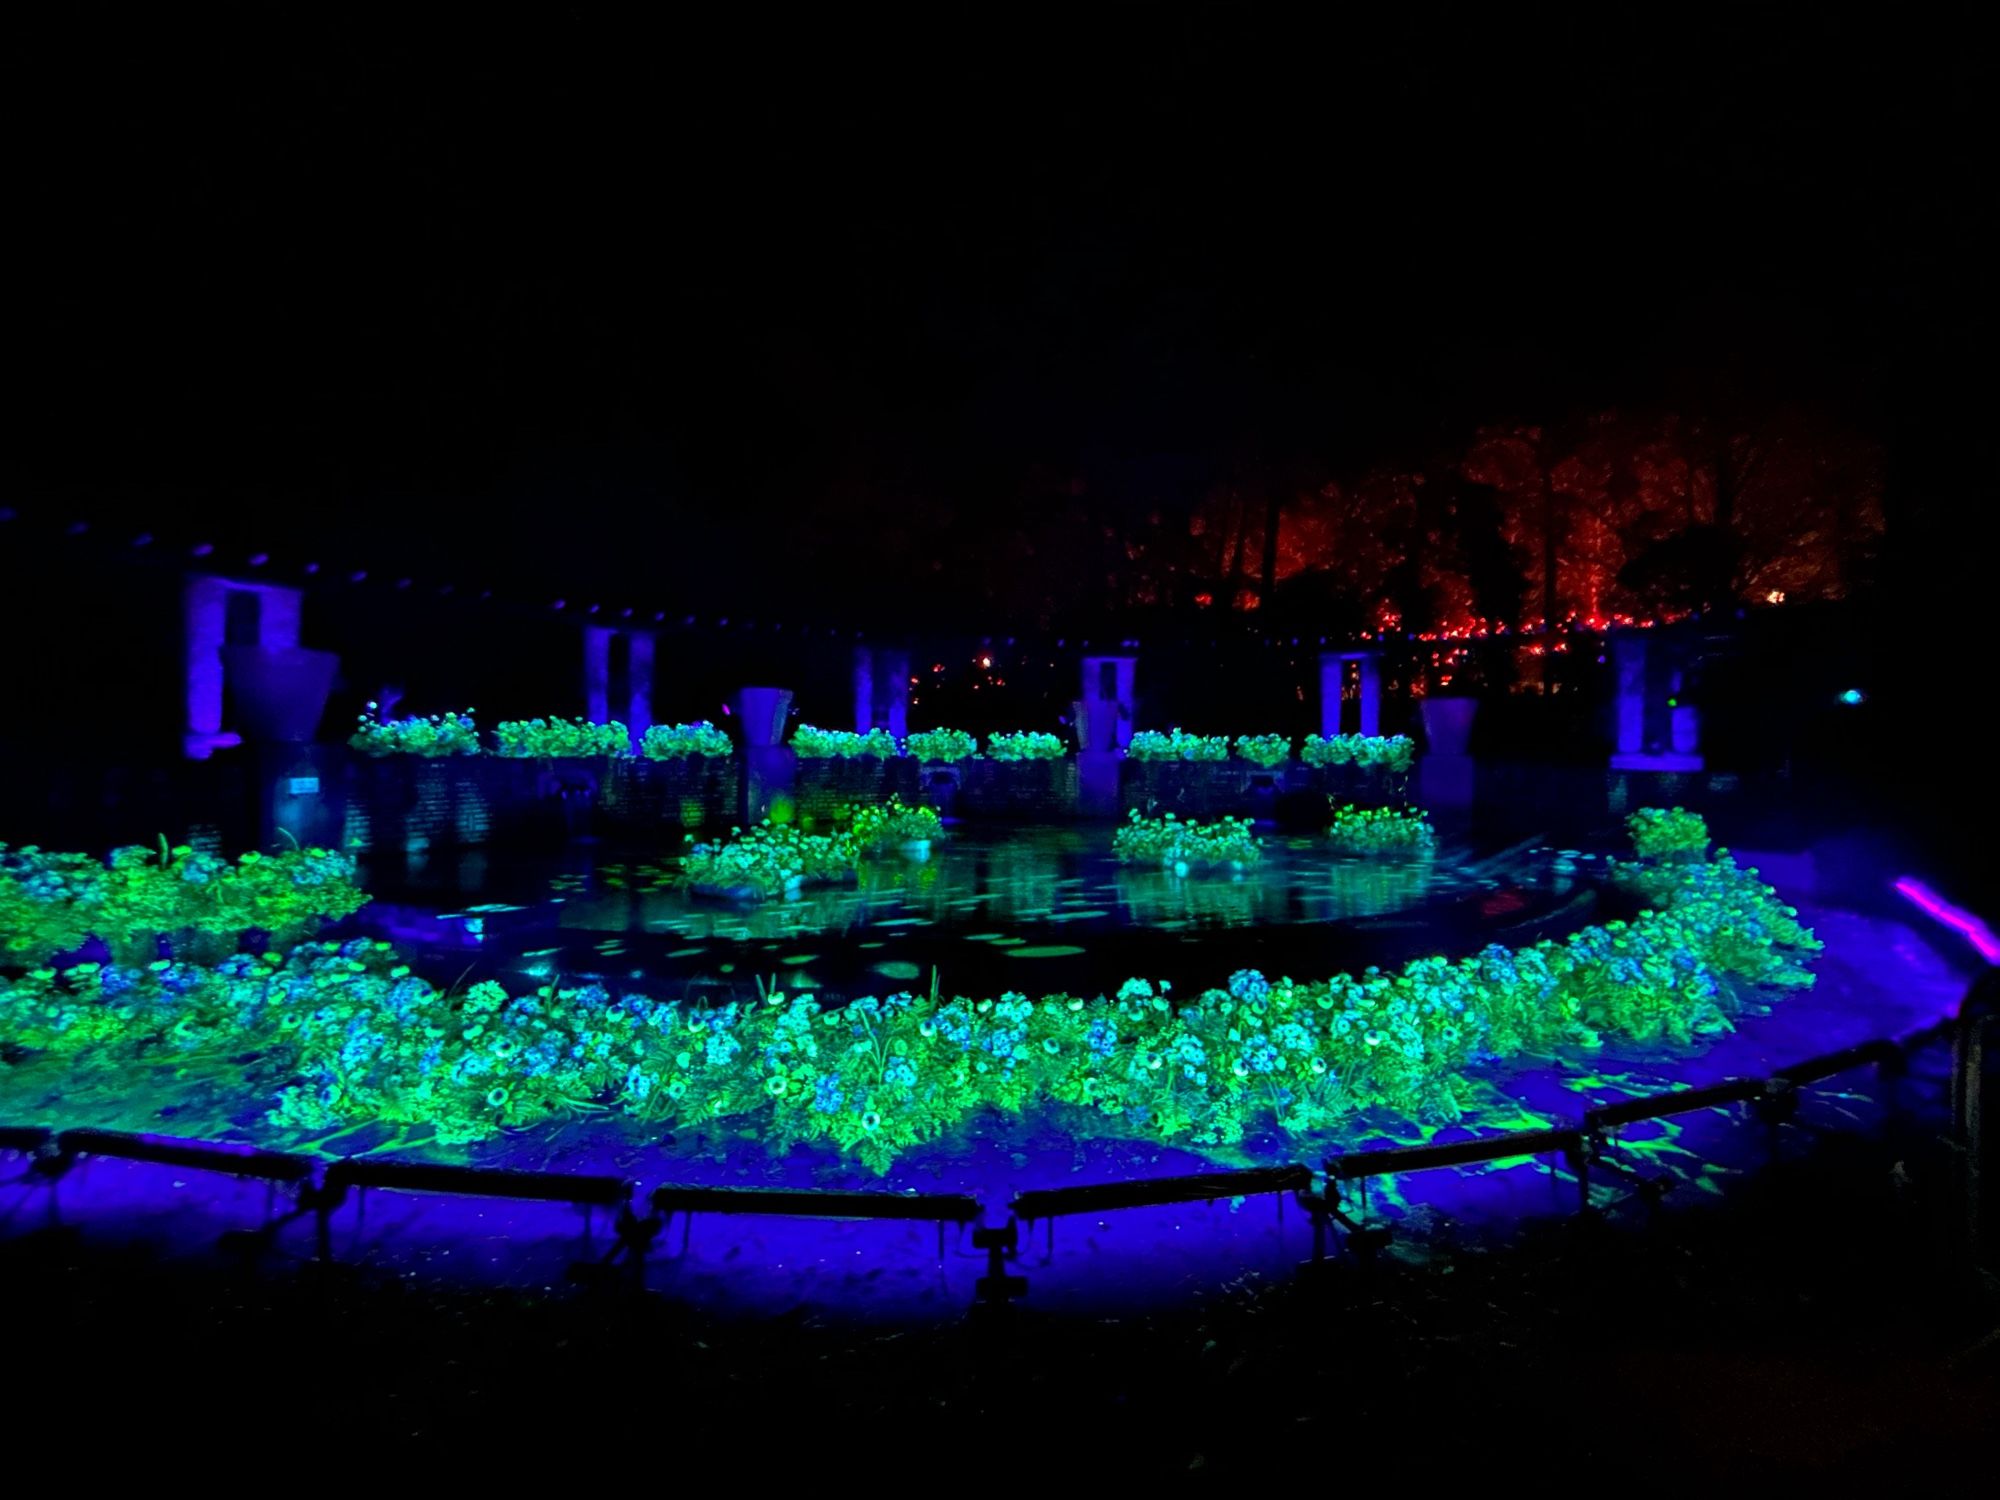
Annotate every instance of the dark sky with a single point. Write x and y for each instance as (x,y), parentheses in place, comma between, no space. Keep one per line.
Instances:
(621,308)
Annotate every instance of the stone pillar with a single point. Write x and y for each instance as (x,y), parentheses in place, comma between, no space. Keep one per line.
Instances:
(639,674)
(1104,712)
(768,762)
(882,690)
(1333,682)
(1107,703)
(204,602)
(597,673)
(1628,657)
(205,614)
(636,711)
(1371,692)
(1654,730)
(892,693)
(864,689)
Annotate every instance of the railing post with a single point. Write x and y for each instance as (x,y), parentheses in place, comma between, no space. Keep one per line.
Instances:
(1968,1124)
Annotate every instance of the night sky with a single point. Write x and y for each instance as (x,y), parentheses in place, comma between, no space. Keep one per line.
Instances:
(692,311)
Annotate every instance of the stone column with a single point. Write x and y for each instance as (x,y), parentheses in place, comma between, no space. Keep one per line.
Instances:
(882,690)
(1371,692)
(639,674)
(1628,657)
(597,673)
(864,689)
(892,693)
(1333,682)
(1104,713)
(205,614)
(1107,702)
(768,762)
(1655,732)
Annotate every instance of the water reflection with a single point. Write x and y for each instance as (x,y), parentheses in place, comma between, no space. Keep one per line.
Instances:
(1027,878)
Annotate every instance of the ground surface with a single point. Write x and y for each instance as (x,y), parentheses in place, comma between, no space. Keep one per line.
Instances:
(1813,1327)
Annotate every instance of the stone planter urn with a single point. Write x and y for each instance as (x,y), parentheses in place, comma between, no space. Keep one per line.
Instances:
(278,695)
(1448,724)
(763,711)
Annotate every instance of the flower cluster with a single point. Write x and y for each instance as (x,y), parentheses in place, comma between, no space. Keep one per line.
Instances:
(892,824)
(1181,845)
(842,744)
(1381,830)
(542,738)
(1266,750)
(1177,744)
(1668,833)
(439,734)
(1394,752)
(943,746)
(770,860)
(683,741)
(195,902)
(1024,744)
(338,1035)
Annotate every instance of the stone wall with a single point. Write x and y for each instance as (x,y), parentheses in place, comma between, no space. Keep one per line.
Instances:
(822,787)
(671,797)
(1024,791)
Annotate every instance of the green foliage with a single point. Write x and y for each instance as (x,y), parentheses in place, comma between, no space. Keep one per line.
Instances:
(524,738)
(347,1035)
(1025,744)
(891,824)
(945,746)
(684,741)
(1181,845)
(1668,833)
(1177,744)
(1394,752)
(770,860)
(1381,830)
(842,744)
(52,903)
(440,734)
(1266,750)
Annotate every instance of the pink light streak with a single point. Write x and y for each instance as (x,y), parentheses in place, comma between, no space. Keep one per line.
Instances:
(1960,921)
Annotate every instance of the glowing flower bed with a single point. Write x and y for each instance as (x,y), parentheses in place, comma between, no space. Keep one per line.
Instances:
(1395,752)
(943,746)
(1267,750)
(893,824)
(52,904)
(438,735)
(684,742)
(1182,845)
(1177,744)
(842,744)
(1668,833)
(1025,744)
(345,1034)
(552,738)
(769,860)
(1381,830)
